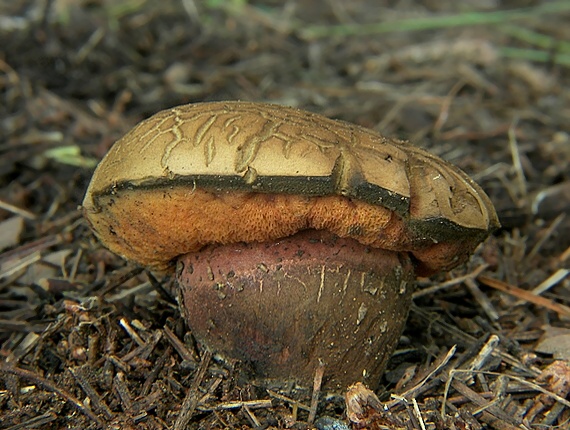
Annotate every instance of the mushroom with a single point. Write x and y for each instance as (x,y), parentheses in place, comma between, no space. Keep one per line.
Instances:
(296,238)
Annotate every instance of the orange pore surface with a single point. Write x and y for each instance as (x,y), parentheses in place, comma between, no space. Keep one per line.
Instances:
(153,227)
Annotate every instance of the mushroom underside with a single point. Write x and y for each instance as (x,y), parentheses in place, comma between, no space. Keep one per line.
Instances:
(158,225)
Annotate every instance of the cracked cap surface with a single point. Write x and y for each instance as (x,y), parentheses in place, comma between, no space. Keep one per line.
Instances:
(226,172)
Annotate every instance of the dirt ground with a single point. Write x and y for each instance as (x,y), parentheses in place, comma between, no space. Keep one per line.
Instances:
(89,341)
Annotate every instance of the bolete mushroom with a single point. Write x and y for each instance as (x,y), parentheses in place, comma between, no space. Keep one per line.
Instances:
(297,238)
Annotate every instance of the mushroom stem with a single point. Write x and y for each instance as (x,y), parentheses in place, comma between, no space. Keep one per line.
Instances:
(284,307)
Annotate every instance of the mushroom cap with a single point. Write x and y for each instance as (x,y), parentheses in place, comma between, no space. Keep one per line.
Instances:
(230,172)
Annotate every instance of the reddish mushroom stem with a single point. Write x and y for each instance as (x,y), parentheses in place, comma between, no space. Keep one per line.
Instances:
(283,307)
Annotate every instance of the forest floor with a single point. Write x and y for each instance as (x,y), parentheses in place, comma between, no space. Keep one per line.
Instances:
(90,341)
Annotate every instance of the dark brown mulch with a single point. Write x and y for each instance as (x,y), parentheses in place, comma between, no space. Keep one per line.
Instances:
(89,341)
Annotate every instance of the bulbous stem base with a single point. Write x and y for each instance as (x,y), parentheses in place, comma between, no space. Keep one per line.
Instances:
(284,307)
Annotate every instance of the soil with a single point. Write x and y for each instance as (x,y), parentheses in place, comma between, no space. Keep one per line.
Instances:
(90,341)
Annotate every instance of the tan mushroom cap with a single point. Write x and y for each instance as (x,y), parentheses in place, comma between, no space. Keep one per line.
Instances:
(228,172)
